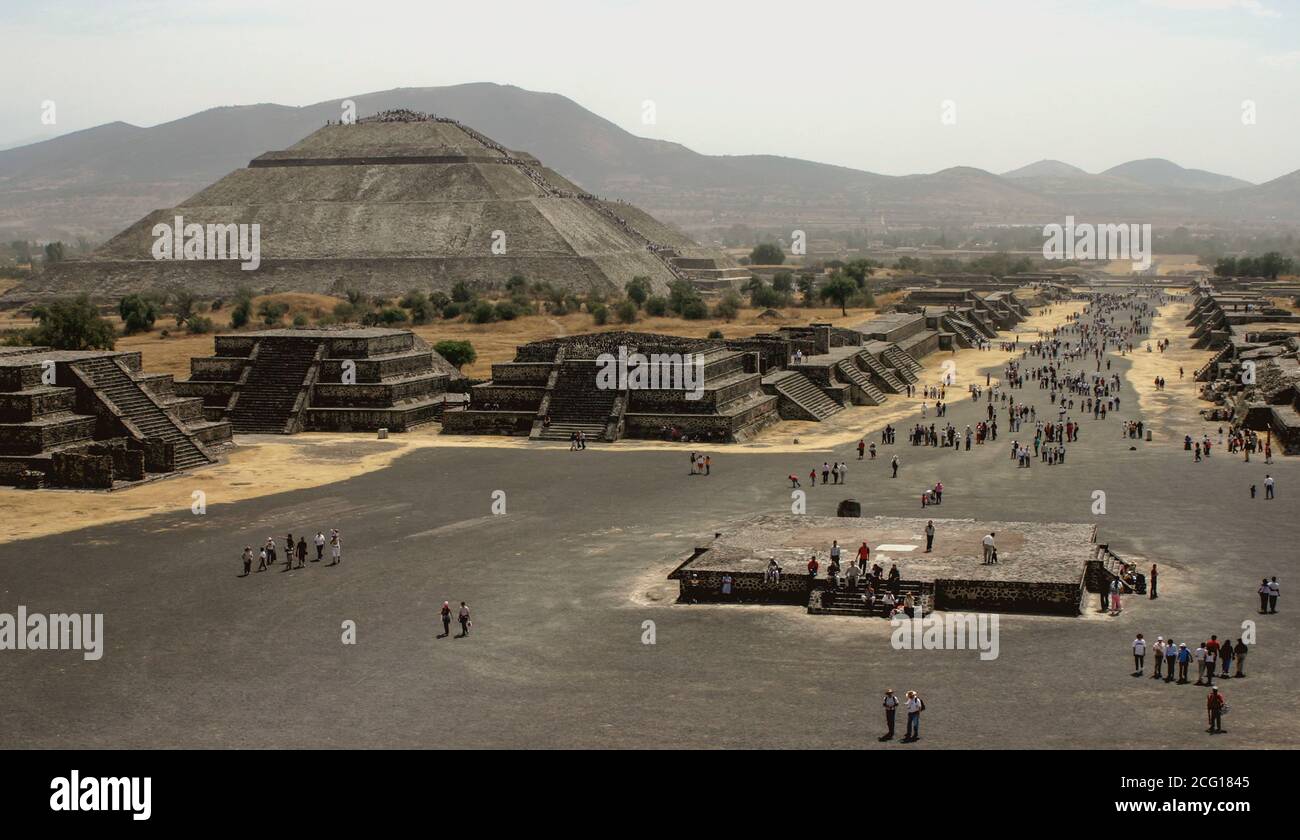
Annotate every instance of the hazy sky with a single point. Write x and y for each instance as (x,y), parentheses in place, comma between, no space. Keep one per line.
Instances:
(862,84)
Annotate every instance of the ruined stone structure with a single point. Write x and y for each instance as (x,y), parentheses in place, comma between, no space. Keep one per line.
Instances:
(962,317)
(1044,568)
(406,201)
(340,379)
(93,418)
(1254,374)
(551,391)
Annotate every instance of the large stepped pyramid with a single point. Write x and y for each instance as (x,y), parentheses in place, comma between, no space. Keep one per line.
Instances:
(802,396)
(393,202)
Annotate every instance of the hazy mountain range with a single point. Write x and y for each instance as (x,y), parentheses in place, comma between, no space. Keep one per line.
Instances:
(95,182)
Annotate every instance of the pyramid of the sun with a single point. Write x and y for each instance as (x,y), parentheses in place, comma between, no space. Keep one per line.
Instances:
(391,203)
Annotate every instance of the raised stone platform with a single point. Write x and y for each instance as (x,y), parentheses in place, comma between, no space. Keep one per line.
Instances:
(92,418)
(340,379)
(1041,568)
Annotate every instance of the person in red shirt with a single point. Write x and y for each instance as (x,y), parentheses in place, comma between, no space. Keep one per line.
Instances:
(1214,706)
(812,566)
(1213,644)
(864,554)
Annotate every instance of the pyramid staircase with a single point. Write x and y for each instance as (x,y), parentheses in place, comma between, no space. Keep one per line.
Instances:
(905,367)
(801,391)
(271,399)
(882,373)
(577,405)
(140,407)
(1203,373)
(963,329)
(859,377)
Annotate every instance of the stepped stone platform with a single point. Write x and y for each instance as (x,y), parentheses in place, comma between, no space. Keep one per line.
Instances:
(337,379)
(94,419)
(1043,568)
(551,390)
(1248,332)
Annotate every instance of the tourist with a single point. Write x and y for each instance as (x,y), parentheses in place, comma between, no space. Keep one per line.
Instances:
(1158,656)
(1226,653)
(894,465)
(862,447)
(446,619)
(1211,661)
(708,465)
(1274,592)
(1171,659)
(1139,654)
(1152,584)
(288,551)
(909,605)
(1184,660)
(988,547)
(726,584)
(1215,704)
(1239,653)
(1268,487)
(1263,596)
(261,560)
(929,536)
(794,481)
(692,465)
(248,560)
(835,551)
(320,546)
(1115,589)
(813,566)
(864,555)
(891,707)
(915,705)
(465,623)
(302,552)
(336,547)
(1199,656)
(270,552)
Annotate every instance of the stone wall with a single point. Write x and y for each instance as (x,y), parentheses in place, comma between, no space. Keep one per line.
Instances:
(747,588)
(1008,596)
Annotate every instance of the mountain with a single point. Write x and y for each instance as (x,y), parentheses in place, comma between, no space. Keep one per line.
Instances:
(1158,172)
(1046,169)
(93,183)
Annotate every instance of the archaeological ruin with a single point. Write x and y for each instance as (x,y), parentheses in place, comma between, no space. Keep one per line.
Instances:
(339,379)
(390,203)
(1042,568)
(95,419)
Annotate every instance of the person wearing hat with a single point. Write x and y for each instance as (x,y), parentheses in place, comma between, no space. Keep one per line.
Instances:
(891,708)
(1184,659)
(915,705)
(1158,652)
(1139,653)
(1171,657)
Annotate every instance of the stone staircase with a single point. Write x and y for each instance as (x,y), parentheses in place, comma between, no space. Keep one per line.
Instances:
(882,373)
(266,401)
(800,390)
(843,602)
(1203,372)
(963,329)
(905,367)
(859,377)
(138,406)
(577,404)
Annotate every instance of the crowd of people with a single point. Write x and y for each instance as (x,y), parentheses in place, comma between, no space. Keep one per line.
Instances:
(295,552)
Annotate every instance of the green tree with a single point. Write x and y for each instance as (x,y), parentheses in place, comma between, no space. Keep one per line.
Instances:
(138,313)
(728,307)
(458,353)
(242,311)
(54,252)
(767,253)
(70,324)
(626,311)
(638,290)
(839,289)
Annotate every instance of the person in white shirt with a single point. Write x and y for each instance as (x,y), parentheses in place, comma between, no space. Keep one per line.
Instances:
(320,546)
(1210,659)
(1139,653)
(891,707)
(1158,649)
(915,705)
(988,547)
(336,547)
(1199,656)
(1274,592)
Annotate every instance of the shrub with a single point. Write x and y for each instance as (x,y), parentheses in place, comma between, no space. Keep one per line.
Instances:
(199,325)
(452,310)
(695,310)
(458,353)
(300,320)
(506,311)
(482,313)
(600,313)
(70,325)
(656,306)
(626,311)
(138,313)
(728,307)
(461,293)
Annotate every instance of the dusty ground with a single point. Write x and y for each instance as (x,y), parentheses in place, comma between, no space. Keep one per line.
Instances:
(1173,412)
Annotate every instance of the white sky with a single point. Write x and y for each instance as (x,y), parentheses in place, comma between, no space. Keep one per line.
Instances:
(1090,82)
